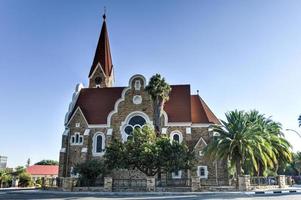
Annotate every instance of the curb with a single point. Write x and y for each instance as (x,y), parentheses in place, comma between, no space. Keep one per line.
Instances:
(274,192)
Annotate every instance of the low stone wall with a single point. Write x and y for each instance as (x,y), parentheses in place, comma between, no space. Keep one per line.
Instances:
(244,184)
(89,189)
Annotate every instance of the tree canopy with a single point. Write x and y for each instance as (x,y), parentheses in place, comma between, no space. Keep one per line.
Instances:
(47,162)
(159,91)
(90,170)
(251,142)
(148,153)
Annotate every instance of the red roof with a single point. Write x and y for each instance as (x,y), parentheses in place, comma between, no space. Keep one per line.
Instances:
(178,106)
(43,170)
(97,103)
(200,112)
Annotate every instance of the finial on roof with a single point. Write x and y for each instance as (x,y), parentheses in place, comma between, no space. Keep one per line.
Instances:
(104,13)
(197,91)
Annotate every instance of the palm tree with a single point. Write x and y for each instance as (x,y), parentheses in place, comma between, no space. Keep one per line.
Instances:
(159,91)
(271,132)
(296,163)
(241,141)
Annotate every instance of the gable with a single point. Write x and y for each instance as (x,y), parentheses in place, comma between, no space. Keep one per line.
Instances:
(97,103)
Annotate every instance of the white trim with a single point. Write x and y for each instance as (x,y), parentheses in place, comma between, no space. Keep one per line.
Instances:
(94,147)
(87,132)
(63,150)
(205,170)
(75,95)
(200,140)
(97,126)
(176,132)
(84,150)
(200,125)
(66,132)
(178,124)
(98,65)
(164,130)
(80,110)
(174,176)
(123,97)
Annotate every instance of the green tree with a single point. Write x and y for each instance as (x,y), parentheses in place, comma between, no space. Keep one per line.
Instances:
(296,162)
(270,131)
(19,170)
(25,180)
(159,91)
(237,141)
(47,162)
(148,153)
(5,178)
(90,170)
(253,144)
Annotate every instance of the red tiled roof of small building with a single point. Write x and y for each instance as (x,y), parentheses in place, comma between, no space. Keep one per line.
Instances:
(43,170)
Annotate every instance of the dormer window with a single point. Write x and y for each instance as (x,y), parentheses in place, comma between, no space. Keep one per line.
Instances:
(77,139)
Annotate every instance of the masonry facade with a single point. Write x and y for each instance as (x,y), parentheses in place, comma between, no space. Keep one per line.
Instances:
(100,112)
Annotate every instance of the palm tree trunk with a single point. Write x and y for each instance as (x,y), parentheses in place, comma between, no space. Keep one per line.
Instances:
(238,170)
(158,107)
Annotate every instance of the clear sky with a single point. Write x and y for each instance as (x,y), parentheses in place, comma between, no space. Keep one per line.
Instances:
(238,54)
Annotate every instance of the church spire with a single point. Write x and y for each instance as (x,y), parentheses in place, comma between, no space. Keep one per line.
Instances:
(103,52)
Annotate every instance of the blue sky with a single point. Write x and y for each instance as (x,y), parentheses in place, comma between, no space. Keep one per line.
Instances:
(238,54)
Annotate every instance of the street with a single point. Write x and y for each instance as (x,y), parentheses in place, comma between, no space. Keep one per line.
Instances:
(33,194)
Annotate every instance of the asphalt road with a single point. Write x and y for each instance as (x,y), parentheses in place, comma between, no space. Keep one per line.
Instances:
(92,196)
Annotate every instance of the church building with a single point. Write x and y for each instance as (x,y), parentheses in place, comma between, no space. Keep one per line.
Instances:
(102,111)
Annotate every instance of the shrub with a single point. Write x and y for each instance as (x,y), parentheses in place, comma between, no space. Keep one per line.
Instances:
(25,180)
(90,170)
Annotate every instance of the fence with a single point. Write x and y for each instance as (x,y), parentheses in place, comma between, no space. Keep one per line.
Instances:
(183,182)
(99,182)
(129,184)
(263,181)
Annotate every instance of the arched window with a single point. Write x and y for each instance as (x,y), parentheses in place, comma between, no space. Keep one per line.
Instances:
(98,144)
(176,136)
(134,122)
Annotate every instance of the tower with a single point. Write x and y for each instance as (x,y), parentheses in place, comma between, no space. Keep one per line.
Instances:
(101,73)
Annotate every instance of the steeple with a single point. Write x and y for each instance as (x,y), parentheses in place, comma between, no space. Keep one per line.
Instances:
(101,73)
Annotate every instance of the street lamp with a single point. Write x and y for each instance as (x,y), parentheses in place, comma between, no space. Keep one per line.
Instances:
(294,131)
